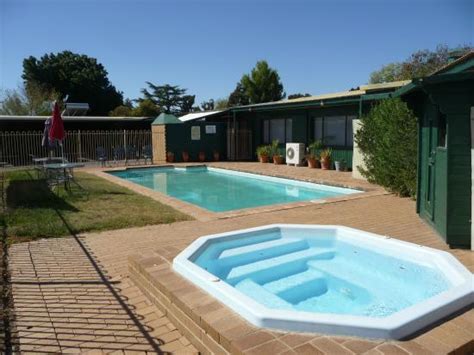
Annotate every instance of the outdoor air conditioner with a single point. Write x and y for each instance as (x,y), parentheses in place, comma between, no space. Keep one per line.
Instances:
(294,153)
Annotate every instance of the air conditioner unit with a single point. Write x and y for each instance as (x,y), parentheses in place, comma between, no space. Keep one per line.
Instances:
(294,153)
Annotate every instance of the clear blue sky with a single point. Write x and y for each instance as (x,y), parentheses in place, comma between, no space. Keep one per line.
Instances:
(206,45)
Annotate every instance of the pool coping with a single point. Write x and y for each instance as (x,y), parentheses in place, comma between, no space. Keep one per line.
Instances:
(203,214)
(213,327)
(398,325)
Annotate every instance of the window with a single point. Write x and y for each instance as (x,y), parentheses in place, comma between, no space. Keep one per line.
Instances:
(335,130)
(277,130)
(289,130)
(349,131)
(266,131)
(281,129)
(318,128)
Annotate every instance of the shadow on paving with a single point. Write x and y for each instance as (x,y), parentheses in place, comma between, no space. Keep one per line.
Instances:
(65,301)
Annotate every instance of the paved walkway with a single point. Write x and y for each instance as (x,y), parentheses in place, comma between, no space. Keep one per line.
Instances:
(74,294)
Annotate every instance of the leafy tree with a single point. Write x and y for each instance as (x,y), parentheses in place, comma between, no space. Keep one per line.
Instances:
(388,140)
(121,111)
(33,100)
(263,84)
(169,98)
(79,76)
(208,105)
(238,97)
(419,64)
(146,108)
(298,95)
(221,104)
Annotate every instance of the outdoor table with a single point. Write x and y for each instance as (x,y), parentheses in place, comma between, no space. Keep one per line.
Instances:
(62,172)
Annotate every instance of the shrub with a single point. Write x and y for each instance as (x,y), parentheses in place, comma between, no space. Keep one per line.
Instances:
(388,140)
(263,150)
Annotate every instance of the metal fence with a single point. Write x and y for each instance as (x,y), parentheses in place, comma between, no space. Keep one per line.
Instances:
(19,147)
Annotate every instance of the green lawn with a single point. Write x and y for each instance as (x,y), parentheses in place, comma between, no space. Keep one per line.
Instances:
(34,211)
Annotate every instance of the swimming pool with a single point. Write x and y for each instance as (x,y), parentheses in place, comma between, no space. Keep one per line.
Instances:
(328,279)
(220,190)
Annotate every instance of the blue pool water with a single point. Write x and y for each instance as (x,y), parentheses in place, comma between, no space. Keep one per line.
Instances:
(299,271)
(221,190)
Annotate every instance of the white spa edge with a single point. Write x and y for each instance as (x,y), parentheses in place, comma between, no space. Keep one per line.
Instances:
(396,326)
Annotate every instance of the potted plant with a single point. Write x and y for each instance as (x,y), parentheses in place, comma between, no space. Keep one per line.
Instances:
(277,157)
(216,155)
(326,159)
(313,154)
(263,153)
(202,156)
(169,157)
(340,165)
(185,155)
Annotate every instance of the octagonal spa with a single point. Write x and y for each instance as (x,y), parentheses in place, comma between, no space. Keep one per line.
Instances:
(328,279)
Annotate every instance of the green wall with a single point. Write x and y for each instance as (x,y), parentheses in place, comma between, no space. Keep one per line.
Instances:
(178,138)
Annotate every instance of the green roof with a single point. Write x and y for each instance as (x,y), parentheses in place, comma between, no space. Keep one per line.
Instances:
(165,118)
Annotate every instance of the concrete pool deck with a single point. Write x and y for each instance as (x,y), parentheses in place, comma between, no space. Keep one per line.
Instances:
(75,294)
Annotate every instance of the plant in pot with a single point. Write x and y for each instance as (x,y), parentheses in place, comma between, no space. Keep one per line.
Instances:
(326,159)
(202,156)
(278,158)
(216,155)
(185,156)
(313,154)
(340,165)
(263,153)
(169,157)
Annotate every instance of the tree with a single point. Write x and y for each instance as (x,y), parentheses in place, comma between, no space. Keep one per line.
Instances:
(33,100)
(262,84)
(79,76)
(419,64)
(146,108)
(169,98)
(298,95)
(387,138)
(221,104)
(207,105)
(238,97)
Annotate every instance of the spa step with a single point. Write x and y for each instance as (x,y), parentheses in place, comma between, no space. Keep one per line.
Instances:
(265,271)
(261,251)
(257,292)
(293,280)
(365,278)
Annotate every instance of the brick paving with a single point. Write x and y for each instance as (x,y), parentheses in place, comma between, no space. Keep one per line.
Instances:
(75,295)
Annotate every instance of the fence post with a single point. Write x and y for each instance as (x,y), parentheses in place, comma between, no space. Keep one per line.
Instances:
(125,144)
(79,147)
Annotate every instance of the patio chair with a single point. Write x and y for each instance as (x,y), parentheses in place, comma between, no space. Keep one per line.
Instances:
(101,156)
(147,153)
(119,154)
(131,153)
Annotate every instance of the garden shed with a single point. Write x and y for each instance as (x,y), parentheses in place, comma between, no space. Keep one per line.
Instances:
(444,105)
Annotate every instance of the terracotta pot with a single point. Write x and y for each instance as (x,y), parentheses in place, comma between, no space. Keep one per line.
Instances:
(170,157)
(278,159)
(263,158)
(185,156)
(313,163)
(202,156)
(326,164)
(216,156)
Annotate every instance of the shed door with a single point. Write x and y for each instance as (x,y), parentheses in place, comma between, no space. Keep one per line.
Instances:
(432,142)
